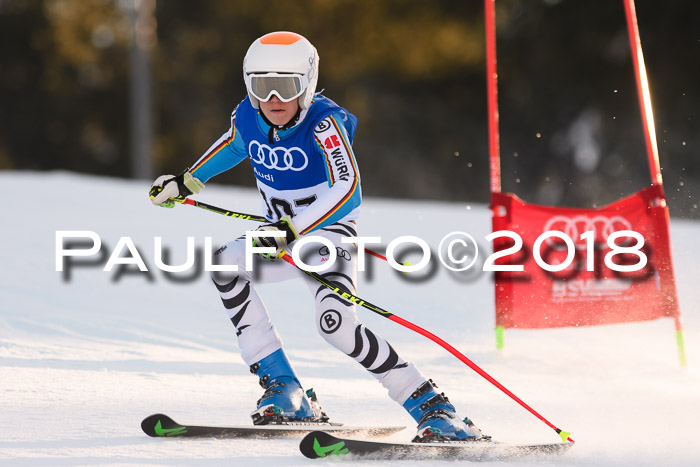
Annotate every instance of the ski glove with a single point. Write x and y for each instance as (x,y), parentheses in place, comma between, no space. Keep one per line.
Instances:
(278,243)
(169,188)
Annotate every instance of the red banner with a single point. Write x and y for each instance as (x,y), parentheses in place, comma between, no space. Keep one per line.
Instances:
(577,296)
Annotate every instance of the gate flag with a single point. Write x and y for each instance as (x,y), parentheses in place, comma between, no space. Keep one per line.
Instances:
(537,298)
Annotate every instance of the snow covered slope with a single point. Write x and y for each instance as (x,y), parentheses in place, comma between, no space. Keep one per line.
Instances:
(84,359)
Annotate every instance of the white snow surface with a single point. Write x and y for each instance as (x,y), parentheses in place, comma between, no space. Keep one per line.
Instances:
(83,361)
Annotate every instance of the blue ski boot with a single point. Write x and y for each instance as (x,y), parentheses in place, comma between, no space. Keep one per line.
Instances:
(437,418)
(284,399)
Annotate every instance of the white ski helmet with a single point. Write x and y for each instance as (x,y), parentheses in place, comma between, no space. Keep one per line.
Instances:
(281,63)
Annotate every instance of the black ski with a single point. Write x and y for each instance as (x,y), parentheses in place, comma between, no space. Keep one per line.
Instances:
(162,426)
(318,444)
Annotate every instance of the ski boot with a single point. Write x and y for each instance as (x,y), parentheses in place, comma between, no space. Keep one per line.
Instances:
(284,399)
(437,418)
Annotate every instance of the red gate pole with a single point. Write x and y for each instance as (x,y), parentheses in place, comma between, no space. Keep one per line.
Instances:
(640,74)
(492,96)
(644,96)
(492,101)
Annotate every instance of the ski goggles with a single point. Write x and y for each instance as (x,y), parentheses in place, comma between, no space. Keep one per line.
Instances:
(286,86)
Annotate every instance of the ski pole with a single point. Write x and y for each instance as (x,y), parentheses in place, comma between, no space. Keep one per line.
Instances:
(254,218)
(225,212)
(565,436)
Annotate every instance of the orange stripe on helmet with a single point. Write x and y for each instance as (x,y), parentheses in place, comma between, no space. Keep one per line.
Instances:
(281,38)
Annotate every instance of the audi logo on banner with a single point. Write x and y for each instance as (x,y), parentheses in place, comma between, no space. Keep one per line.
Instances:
(573,227)
(279,158)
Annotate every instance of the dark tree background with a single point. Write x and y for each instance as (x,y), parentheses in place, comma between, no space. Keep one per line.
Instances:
(412,71)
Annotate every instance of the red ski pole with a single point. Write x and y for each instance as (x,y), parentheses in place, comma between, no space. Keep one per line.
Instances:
(397,319)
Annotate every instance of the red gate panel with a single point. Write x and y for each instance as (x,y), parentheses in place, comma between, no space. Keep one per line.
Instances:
(536,298)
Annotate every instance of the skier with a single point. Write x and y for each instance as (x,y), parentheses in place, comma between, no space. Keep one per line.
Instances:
(300,147)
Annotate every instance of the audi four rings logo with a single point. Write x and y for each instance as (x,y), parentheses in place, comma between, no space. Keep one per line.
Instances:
(294,159)
(575,226)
